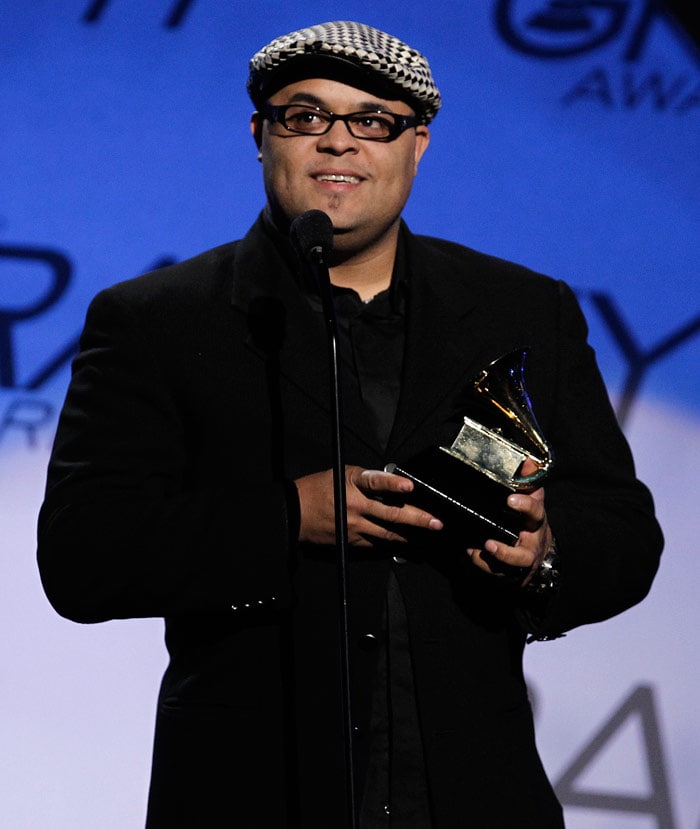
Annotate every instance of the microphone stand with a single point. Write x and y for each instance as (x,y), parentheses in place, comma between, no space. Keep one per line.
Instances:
(320,270)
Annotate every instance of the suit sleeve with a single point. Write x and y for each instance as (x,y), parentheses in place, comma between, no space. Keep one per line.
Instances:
(602,516)
(122,531)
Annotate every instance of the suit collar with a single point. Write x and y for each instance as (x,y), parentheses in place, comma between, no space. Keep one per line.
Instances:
(283,328)
(440,354)
(446,341)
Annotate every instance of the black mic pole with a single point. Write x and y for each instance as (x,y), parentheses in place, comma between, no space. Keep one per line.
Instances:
(312,235)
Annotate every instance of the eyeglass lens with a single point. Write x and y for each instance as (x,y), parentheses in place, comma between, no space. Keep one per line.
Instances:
(314,121)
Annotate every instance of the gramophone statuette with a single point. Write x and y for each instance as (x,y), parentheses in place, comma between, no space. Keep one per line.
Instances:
(466,484)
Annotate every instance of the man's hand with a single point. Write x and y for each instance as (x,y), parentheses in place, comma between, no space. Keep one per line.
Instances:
(534,541)
(370,519)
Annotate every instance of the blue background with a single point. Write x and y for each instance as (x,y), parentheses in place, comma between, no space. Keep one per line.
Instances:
(126,141)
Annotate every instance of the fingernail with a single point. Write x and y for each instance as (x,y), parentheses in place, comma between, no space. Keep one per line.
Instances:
(435,524)
(491,546)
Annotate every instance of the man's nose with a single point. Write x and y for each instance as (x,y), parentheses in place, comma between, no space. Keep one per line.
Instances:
(338,139)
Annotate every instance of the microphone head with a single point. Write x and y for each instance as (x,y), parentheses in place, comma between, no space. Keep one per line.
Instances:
(311,234)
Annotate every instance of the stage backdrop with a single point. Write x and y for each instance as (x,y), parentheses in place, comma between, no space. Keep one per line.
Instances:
(568,141)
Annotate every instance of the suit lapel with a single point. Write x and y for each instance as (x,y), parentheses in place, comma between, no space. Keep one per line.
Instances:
(447,339)
(452,332)
(282,326)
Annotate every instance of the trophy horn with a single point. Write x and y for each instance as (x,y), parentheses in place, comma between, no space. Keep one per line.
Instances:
(467,483)
(507,433)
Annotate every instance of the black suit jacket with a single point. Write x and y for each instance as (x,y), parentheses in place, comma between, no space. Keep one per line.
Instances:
(200,391)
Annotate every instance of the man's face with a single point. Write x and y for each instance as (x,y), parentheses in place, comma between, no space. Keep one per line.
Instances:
(362,185)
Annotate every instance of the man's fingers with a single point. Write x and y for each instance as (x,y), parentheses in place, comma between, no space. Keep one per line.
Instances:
(366,533)
(517,556)
(375,481)
(369,516)
(406,515)
(373,484)
(531,507)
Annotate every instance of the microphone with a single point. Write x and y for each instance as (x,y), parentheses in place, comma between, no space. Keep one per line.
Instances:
(311,234)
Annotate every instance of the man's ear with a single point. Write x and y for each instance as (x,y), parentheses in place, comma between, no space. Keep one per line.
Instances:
(422,141)
(256,126)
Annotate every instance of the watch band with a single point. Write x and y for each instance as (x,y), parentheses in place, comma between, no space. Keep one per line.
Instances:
(547,578)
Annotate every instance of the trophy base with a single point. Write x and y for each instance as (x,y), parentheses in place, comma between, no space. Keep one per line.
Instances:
(471,505)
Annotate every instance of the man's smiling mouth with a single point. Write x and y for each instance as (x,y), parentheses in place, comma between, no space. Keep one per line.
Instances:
(338,179)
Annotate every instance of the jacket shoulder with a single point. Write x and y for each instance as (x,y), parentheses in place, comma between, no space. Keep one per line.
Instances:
(460,260)
(205,274)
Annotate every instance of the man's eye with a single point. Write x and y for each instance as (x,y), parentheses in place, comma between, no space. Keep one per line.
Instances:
(373,123)
(306,117)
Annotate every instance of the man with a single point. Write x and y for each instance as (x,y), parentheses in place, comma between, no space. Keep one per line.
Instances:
(190,479)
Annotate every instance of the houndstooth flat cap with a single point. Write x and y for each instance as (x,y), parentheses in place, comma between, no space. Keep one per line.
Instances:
(350,53)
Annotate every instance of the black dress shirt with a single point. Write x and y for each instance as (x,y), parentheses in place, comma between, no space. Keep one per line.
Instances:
(371,345)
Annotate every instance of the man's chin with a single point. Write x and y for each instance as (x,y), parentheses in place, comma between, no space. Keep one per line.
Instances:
(345,239)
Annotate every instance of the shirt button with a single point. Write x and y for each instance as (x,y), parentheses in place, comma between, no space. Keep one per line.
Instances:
(368,642)
(398,560)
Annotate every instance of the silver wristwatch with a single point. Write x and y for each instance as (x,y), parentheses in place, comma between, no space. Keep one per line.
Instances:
(547,578)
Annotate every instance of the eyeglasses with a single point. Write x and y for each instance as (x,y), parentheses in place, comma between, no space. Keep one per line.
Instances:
(375,125)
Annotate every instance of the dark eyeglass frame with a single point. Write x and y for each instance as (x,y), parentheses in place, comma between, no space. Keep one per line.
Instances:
(278,115)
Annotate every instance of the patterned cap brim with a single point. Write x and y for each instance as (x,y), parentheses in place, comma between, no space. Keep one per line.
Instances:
(351,53)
